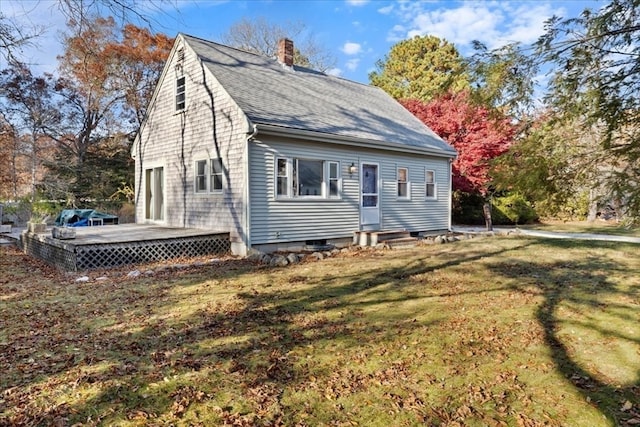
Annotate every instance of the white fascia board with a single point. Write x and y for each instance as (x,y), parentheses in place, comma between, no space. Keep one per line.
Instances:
(351,141)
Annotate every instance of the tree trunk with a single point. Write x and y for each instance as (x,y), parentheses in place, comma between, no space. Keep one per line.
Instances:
(486,208)
(592,215)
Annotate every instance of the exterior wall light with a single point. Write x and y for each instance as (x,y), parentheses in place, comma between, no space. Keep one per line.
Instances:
(352,169)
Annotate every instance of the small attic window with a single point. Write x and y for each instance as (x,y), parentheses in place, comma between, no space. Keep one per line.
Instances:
(180,55)
(180,94)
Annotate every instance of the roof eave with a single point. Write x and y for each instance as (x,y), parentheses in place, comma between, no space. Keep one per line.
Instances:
(275,130)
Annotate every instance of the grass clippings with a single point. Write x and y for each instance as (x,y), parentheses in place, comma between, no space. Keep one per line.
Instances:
(484,332)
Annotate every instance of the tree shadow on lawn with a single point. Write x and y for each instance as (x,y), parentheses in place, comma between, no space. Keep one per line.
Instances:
(147,371)
(582,284)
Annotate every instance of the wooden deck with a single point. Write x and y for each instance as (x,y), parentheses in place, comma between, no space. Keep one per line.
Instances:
(117,245)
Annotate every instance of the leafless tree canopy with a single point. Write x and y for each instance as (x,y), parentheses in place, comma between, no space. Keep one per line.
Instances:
(13,37)
(261,36)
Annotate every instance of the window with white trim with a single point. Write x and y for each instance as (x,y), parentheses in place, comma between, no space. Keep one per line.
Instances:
(334,179)
(215,184)
(282,177)
(402,177)
(307,178)
(208,176)
(201,176)
(430,184)
(180,93)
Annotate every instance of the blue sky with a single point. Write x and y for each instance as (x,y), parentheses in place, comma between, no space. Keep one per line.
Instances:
(356,32)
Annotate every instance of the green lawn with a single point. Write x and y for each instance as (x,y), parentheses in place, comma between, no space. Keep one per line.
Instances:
(484,332)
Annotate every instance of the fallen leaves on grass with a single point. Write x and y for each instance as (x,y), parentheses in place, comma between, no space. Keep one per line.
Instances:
(439,342)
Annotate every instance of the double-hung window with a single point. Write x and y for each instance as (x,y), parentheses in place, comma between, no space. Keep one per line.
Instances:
(334,179)
(402,176)
(282,178)
(215,184)
(307,178)
(430,184)
(208,176)
(201,176)
(180,93)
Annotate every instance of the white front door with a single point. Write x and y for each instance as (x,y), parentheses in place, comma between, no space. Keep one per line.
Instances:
(370,197)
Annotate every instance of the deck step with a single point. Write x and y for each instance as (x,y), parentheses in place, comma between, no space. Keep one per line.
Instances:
(373,237)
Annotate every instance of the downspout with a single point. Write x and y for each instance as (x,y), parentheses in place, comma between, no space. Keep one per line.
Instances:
(247,193)
(253,133)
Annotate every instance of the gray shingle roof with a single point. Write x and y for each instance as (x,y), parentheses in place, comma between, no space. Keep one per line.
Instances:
(303,99)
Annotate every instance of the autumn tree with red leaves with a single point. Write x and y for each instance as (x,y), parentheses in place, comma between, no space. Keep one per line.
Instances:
(477,133)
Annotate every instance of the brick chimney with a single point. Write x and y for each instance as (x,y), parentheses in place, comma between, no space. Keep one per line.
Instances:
(285,52)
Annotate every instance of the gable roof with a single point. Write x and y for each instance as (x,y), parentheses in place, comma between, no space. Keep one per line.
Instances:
(296,98)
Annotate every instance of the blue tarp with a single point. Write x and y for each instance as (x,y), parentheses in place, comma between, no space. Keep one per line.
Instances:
(82,217)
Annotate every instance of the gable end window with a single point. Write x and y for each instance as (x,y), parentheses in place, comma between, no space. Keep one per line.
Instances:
(216,175)
(180,94)
(307,178)
(430,184)
(402,176)
(208,177)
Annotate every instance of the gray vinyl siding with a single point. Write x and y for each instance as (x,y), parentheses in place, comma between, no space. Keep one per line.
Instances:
(290,220)
(418,213)
(276,220)
(212,126)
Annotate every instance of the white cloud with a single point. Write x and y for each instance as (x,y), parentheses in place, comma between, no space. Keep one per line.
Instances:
(459,26)
(357,2)
(352,64)
(335,72)
(397,33)
(386,10)
(351,48)
(491,22)
(528,22)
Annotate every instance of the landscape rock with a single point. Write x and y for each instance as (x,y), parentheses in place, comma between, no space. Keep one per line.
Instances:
(256,257)
(134,274)
(293,258)
(279,261)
